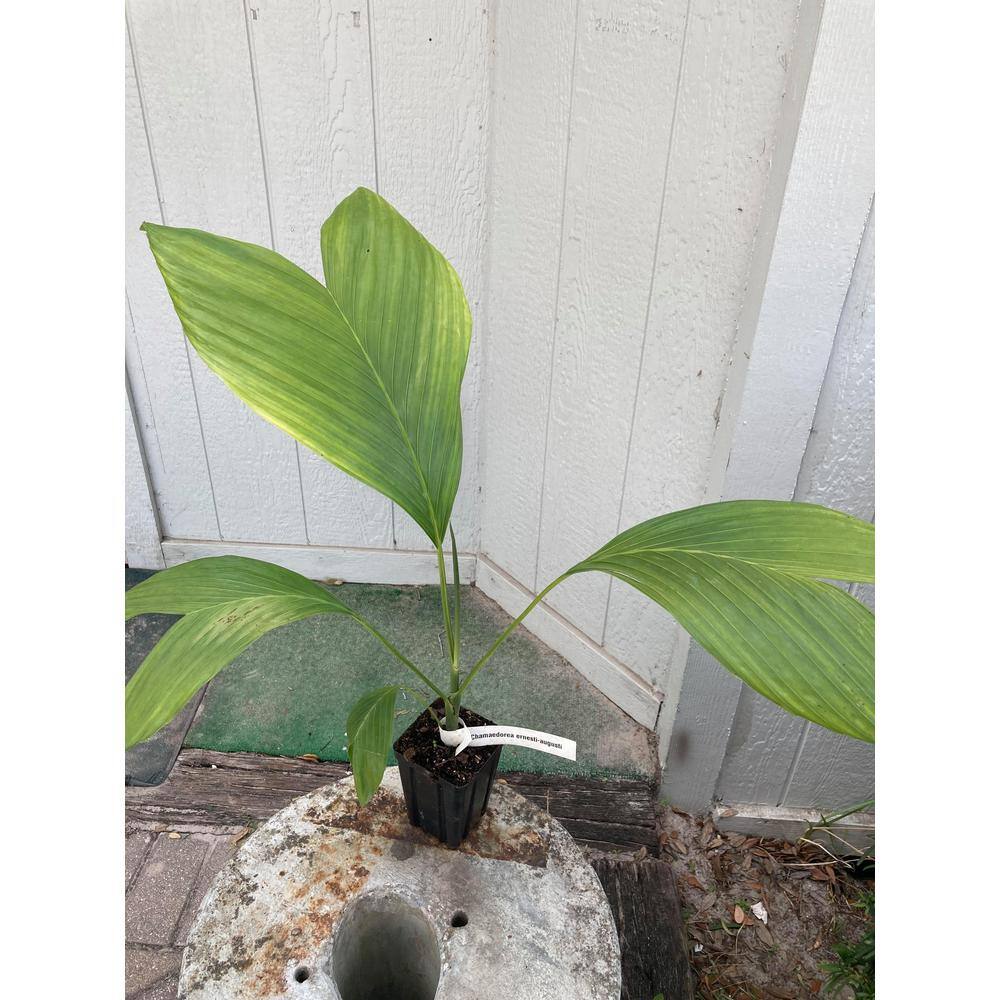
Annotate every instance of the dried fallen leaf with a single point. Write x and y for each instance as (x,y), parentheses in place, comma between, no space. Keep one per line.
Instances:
(765,935)
(738,915)
(641,853)
(718,869)
(815,985)
(692,880)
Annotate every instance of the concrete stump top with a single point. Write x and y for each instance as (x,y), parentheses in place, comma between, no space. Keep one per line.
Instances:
(329,900)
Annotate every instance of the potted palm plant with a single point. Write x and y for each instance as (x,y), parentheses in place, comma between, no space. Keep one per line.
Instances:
(366,371)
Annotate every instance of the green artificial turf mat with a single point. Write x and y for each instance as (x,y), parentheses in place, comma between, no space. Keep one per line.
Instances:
(291,691)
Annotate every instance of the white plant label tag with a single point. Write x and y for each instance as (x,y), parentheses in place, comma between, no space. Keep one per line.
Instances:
(468,736)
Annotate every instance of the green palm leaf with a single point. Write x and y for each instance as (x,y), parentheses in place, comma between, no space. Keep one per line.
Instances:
(227,603)
(366,372)
(745,578)
(369,736)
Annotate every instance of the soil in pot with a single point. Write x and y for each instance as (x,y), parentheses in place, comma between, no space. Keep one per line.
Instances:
(445,795)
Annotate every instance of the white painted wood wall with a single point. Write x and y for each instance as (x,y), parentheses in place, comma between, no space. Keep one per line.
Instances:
(609,181)
(253,119)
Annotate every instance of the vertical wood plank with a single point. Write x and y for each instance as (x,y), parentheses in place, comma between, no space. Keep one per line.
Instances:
(198,96)
(624,89)
(732,80)
(156,353)
(531,86)
(313,81)
(142,532)
(431,93)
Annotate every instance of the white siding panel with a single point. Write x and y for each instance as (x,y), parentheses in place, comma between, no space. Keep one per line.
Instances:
(532,82)
(625,85)
(838,468)
(832,772)
(773,757)
(193,62)
(313,76)
(142,533)
(822,217)
(156,353)
(431,86)
(827,198)
(728,105)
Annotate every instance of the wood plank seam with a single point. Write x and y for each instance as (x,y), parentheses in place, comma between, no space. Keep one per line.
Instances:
(163,219)
(649,302)
(555,299)
(265,171)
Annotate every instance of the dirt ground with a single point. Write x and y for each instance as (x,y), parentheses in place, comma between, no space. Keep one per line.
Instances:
(805,894)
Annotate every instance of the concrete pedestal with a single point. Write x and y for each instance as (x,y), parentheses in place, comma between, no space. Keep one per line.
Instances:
(330,901)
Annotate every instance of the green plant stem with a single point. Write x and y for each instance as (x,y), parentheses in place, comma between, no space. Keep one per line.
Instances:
(367,625)
(506,632)
(457,633)
(445,609)
(452,699)
(458,599)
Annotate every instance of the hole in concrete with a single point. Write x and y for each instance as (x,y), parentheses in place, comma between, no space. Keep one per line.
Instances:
(385,949)
(301,974)
(459,918)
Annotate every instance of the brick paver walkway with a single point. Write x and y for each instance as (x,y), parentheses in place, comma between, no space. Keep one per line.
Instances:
(167,873)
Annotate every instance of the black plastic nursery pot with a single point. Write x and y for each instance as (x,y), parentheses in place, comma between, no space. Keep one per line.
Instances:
(445,795)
